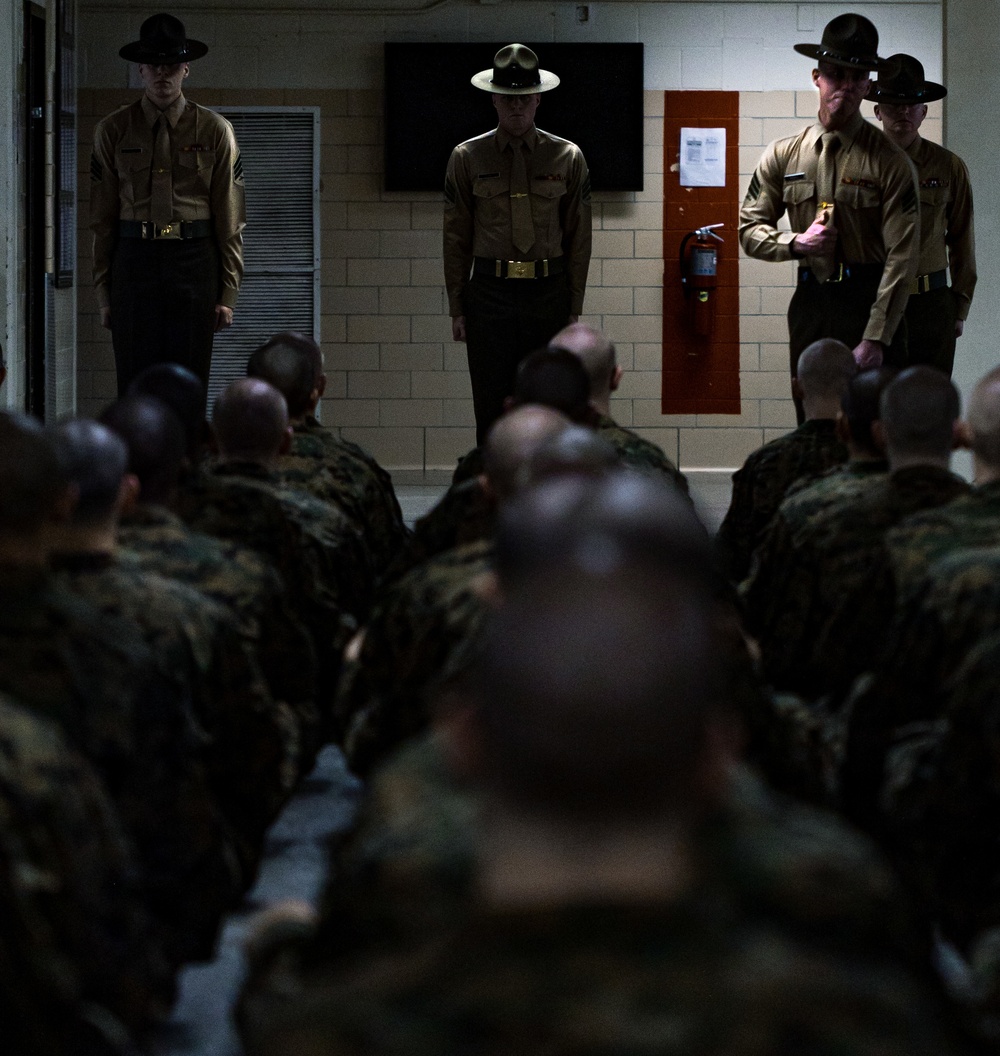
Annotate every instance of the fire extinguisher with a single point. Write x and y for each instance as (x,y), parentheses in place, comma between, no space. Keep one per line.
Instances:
(699,267)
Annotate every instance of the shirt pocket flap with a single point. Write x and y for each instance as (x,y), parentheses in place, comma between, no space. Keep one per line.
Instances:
(196,159)
(490,187)
(859,197)
(798,191)
(548,188)
(935,195)
(133,159)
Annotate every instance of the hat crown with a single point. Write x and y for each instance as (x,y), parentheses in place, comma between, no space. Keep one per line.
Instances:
(515,66)
(904,75)
(162,33)
(851,37)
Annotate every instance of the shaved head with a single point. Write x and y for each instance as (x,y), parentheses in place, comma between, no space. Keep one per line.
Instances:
(595,350)
(861,404)
(513,440)
(918,412)
(615,568)
(31,479)
(825,368)
(293,364)
(182,391)
(155,440)
(983,418)
(554,378)
(576,449)
(94,460)
(250,420)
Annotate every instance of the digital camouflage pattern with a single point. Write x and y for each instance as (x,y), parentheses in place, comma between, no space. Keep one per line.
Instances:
(785,937)
(157,540)
(417,631)
(956,607)
(79,966)
(93,676)
(365,488)
(251,744)
(819,599)
(635,451)
(466,513)
(970,521)
(762,482)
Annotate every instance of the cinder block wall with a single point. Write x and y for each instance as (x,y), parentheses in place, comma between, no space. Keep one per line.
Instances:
(396,382)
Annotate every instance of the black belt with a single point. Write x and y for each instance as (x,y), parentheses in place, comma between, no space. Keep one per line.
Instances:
(519,269)
(175,229)
(933,280)
(844,273)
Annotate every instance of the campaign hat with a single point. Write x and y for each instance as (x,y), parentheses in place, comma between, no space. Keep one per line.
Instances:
(848,40)
(903,81)
(515,72)
(163,42)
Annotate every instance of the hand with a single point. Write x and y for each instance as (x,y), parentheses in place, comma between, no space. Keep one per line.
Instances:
(818,240)
(106,318)
(458,328)
(959,327)
(223,317)
(868,354)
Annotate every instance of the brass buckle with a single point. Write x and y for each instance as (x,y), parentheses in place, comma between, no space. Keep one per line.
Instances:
(923,283)
(520,269)
(163,232)
(151,230)
(839,274)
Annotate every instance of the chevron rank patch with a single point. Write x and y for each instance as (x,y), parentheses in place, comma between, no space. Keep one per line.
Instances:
(96,169)
(238,166)
(754,189)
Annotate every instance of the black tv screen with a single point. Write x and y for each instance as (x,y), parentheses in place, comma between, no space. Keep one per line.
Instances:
(430,105)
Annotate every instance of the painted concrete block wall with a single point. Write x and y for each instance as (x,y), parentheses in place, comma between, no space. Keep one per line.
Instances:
(396,382)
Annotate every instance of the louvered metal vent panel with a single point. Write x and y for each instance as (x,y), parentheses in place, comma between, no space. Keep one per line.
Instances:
(279,148)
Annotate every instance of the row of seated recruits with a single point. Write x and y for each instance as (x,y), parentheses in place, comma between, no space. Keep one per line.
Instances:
(549,689)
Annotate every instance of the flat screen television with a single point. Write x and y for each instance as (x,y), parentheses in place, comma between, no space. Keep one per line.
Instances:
(430,105)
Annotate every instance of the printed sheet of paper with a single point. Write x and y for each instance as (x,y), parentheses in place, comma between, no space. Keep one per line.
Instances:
(703,157)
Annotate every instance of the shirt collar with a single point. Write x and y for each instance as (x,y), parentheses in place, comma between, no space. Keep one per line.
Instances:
(503,139)
(173,111)
(847,134)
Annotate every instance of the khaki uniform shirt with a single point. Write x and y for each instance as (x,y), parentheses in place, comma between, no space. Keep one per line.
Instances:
(207,183)
(946,234)
(477,219)
(875,210)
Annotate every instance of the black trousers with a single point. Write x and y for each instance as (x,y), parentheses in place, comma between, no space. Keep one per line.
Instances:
(930,329)
(163,298)
(505,320)
(839,310)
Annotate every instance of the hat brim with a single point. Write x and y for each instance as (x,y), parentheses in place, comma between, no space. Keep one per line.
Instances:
(930,93)
(821,54)
(138,52)
(484,80)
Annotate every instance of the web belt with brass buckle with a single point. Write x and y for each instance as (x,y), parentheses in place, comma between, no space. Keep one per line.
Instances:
(933,280)
(519,269)
(841,273)
(147,229)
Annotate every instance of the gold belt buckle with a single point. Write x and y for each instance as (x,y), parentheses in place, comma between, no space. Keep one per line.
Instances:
(162,232)
(838,274)
(520,269)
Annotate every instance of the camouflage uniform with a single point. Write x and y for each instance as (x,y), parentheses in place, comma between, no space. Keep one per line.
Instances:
(158,541)
(92,675)
(761,484)
(78,967)
(415,639)
(466,513)
(364,487)
(819,598)
(956,606)
(783,942)
(634,450)
(251,742)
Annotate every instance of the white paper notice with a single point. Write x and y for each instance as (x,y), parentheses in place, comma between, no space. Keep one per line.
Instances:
(703,157)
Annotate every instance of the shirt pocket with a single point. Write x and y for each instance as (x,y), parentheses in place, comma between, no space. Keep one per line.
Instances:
(858,198)
(934,197)
(491,187)
(133,167)
(546,205)
(193,172)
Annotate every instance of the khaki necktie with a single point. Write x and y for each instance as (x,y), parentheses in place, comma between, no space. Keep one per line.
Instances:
(826,183)
(522,229)
(161,206)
